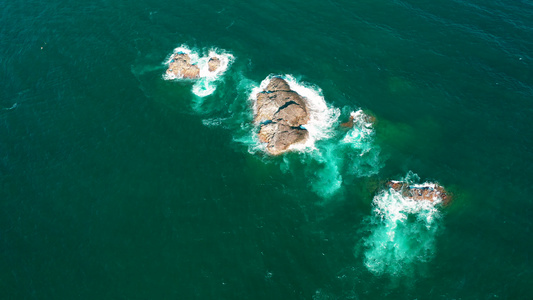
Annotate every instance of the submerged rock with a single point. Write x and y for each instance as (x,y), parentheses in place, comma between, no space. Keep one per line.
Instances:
(213,64)
(180,66)
(362,117)
(281,112)
(420,192)
(348,124)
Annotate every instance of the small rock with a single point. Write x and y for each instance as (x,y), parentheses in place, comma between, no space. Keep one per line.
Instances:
(180,66)
(430,192)
(213,64)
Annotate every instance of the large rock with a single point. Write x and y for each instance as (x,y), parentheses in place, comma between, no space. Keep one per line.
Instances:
(281,113)
(181,67)
(421,192)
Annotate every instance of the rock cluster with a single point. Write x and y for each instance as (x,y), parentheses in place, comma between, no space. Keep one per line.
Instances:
(281,113)
(430,192)
(180,66)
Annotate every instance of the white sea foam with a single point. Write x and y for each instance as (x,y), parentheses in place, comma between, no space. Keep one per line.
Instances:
(214,122)
(353,153)
(225,60)
(326,178)
(403,232)
(363,152)
(204,87)
(206,84)
(322,118)
(361,132)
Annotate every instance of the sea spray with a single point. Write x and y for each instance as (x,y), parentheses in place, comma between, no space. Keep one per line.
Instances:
(402,232)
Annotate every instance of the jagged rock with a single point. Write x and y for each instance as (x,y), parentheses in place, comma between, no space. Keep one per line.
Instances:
(281,113)
(180,66)
(430,192)
(213,64)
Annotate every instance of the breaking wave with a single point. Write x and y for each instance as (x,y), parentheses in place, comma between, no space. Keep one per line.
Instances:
(402,231)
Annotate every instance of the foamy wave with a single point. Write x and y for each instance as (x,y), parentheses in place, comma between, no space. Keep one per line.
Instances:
(403,233)
(205,85)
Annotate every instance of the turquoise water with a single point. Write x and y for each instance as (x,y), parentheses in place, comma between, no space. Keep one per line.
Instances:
(119,184)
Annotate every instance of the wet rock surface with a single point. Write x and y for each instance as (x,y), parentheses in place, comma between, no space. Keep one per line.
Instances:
(281,113)
(180,66)
(429,192)
(213,64)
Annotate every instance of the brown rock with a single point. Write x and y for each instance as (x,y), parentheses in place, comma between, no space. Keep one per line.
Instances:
(281,113)
(281,105)
(277,84)
(420,193)
(280,136)
(366,118)
(213,64)
(348,124)
(180,66)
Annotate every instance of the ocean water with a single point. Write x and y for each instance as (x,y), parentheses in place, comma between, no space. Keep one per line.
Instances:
(118,182)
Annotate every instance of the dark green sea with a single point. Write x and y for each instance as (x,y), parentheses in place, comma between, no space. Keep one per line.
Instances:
(117,183)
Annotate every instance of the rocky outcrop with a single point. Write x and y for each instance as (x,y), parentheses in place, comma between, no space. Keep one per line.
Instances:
(419,192)
(281,113)
(181,67)
(213,64)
